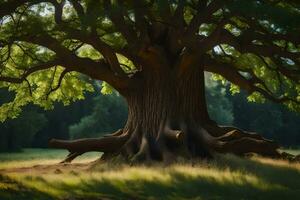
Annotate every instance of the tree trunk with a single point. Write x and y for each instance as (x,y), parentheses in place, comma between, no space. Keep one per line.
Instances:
(165,112)
(167,118)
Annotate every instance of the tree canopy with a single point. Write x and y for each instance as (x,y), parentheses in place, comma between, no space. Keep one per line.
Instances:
(51,49)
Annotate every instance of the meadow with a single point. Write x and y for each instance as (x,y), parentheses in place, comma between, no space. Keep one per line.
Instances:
(36,174)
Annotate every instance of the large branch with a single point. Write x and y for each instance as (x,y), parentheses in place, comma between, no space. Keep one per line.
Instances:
(79,9)
(244,44)
(95,69)
(228,72)
(232,74)
(176,31)
(255,30)
(267,49)
(94,40)
(141,24)
(117,17)
(99,69)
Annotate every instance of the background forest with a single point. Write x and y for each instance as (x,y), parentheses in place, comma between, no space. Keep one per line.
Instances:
(105,111)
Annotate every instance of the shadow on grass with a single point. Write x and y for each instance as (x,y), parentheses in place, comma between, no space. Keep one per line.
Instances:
(245,179)
(182,186)
(12,190)
(285,176)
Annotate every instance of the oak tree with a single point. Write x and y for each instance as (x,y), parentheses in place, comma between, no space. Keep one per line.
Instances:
(154,53)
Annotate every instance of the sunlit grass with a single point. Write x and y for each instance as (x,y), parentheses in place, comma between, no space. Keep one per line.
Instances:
(293,151)
(226,177)
(31,157)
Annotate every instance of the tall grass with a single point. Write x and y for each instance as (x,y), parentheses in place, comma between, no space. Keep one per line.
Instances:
(227,177)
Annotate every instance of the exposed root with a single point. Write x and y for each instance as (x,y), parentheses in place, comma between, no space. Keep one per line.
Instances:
(168,157)
(206,141)
(71,157)
(132,145)
(136,146)
(242,143)
(239,134)
(175,135)
(144,153)
(245,145)
(106,144)
(117,133)
(81,146)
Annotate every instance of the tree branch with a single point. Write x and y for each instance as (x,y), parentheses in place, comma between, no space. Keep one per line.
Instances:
(203,14)
(39,67)
(62,75)
(231,74)
(99,70)
(116,15)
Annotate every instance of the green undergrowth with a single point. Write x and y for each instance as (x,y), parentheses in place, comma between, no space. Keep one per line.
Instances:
(226,177)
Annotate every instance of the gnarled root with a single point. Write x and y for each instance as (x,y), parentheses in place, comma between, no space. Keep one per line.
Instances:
(188,142)
(238,142)
(78,147)
(246,145)
(70,157)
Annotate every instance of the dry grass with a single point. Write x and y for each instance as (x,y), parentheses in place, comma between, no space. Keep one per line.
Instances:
(227,177)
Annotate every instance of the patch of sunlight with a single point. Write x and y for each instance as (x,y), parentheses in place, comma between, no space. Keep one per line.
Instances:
(226,176)
(137,173)
(226,172)
(54,184)
(119,178)
(39,183)
(32,157)
(26,163)
(31,163)
(8,186)
(278,163)
(292,151)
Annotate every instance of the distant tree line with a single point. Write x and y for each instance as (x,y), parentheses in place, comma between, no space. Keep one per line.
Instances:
(99,114)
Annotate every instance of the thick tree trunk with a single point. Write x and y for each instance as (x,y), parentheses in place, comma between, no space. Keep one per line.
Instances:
(168,118)
(166,110)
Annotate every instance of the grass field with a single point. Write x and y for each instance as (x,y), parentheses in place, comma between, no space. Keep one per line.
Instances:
(35,174)
(31,157)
